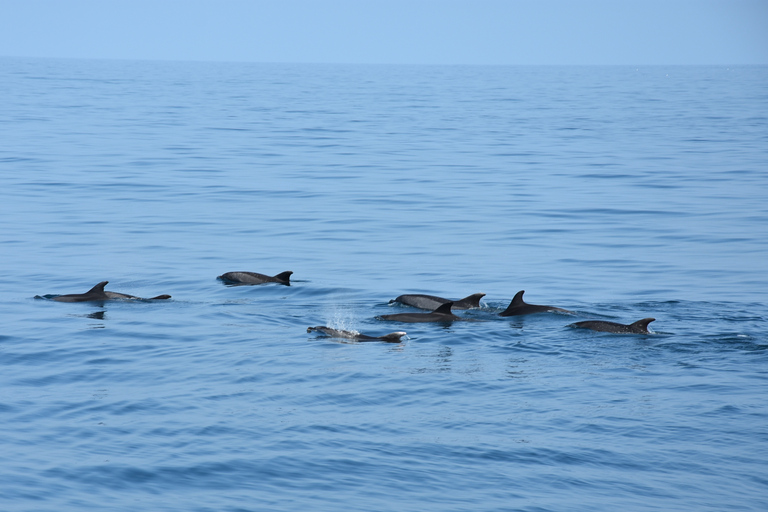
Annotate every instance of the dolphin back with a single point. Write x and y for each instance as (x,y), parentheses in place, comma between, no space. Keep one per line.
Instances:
(243,277)
(95,293)
(639,327)
(519,307)
(432,302)
(393,337)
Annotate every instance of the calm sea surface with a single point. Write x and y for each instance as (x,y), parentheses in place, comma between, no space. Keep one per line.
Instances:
(616,192)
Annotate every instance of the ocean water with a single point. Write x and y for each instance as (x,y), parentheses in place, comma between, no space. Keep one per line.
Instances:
(615,192)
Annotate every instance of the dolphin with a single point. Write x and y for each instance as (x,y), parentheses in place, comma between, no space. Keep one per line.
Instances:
(393,337)
(95,293)
(99,293)
(254,278)
(115,295)
(639,327)
(519,307)
(441,314)
(431,302)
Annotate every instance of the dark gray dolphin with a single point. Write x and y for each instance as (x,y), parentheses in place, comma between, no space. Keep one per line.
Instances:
(431,302)
(519,307)
(441,314)
(393,337)
(99,293)
(255,278)
(639,327)
(116,295)
(95,293)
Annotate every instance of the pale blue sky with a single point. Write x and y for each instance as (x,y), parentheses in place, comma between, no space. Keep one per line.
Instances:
(728,32)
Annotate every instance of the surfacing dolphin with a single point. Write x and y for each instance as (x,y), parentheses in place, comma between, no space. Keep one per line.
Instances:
(116,295)
(393,337)
(99,293)
(255,278)
(441,314)
(431,302)
(519,307)
(639,327)
(95,293)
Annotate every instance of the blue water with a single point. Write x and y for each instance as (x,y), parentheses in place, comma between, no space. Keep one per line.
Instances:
(616,192)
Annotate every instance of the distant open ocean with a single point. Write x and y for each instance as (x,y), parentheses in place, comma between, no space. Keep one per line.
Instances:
(615,192)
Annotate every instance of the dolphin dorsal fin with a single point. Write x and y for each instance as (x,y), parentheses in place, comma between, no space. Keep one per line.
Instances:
(518,301)
(473,300)
(99,288)
(284,276)
(643,324)
(444,309)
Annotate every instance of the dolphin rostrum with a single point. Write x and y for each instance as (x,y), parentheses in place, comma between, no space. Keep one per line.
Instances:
(519,307)
(393,337)
(431,302)
(255,278)
(441,314)
(639,327)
